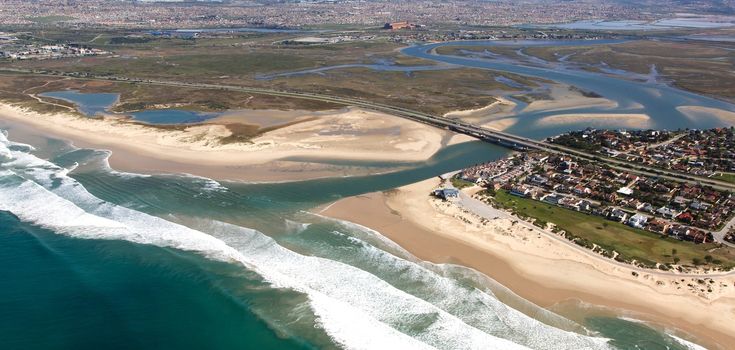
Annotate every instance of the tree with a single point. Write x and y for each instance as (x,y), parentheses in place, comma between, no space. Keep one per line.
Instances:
(673,251)
(676,260)
(708,258)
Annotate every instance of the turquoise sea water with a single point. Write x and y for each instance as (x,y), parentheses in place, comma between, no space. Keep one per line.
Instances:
(94,258)
(101,259)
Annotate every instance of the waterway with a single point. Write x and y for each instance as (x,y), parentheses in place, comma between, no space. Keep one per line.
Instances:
(95,104)
(656,100)
(95,258)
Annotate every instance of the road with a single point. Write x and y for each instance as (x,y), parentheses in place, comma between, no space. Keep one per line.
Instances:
(493,136)
(720,235)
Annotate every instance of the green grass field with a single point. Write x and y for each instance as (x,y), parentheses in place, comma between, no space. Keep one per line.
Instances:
(725,177)
(645,247)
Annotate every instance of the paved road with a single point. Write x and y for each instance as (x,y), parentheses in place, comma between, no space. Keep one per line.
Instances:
(720,235)
(497,137)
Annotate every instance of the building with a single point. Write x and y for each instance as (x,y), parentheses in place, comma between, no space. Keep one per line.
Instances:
(638,221)
(617,215)
(450,194)
(399,25)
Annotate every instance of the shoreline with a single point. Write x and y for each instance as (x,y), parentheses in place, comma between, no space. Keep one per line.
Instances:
(520,260)
(351,134)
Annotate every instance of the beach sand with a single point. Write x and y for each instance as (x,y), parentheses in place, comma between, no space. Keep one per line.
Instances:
(292,152)
(564,97)
(545,270)
(497,115)
(633,121)
(697,113)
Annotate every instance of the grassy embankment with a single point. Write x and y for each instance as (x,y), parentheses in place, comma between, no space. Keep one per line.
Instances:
(725,177)
(646,248)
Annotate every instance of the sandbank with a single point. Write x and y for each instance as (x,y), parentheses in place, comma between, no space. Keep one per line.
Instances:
(564,97)
(349,134)
(696,113)
(539,268)
(632,121)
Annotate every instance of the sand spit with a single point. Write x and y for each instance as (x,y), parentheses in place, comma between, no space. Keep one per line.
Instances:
(727,118)
(538,267)
(611,120)
(349,134)
(564,97)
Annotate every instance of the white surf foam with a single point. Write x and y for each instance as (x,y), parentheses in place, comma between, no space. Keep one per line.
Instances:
(356,308)
(207,184)
(476,307)
(128,175)
(295,227)
(688,344)
(337,292)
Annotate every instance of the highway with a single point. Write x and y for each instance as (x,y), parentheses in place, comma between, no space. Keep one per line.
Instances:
(497,137)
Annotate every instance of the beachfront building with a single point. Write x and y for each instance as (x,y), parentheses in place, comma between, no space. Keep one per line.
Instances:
(450,194)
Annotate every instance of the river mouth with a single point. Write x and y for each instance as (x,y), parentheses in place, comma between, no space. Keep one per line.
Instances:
(266,232)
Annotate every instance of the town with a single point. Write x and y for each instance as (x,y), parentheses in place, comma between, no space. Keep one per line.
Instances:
(201,14)
(685,211)
(708,153)
(43,52)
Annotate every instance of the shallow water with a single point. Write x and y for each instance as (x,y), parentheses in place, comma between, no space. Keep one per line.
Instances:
(107,259)
(103,259)
(92,104)
(655,100)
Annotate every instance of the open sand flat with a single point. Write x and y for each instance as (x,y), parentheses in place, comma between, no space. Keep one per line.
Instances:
(497,115)
(564,97)
(538,267)
(502,107)
(632,121)
(726,118)
(501,124)
(348,134)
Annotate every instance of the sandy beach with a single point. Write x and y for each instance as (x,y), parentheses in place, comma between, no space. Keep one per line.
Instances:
(698,112)
(291,152)
(606,120)
(540,268)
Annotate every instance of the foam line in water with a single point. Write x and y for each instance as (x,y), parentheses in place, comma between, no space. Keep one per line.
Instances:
(489,313)
(106,165)
(688,344)
(336,291)
(476,307)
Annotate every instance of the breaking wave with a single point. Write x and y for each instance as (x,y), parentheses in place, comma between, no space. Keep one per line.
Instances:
(356,308)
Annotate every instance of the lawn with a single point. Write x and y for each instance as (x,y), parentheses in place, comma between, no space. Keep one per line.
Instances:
(460,183)
(645,247)
(725,177)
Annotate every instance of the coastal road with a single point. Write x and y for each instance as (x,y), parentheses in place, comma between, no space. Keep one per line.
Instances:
(498,137)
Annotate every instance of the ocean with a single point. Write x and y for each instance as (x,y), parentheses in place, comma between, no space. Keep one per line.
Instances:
(94,258)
